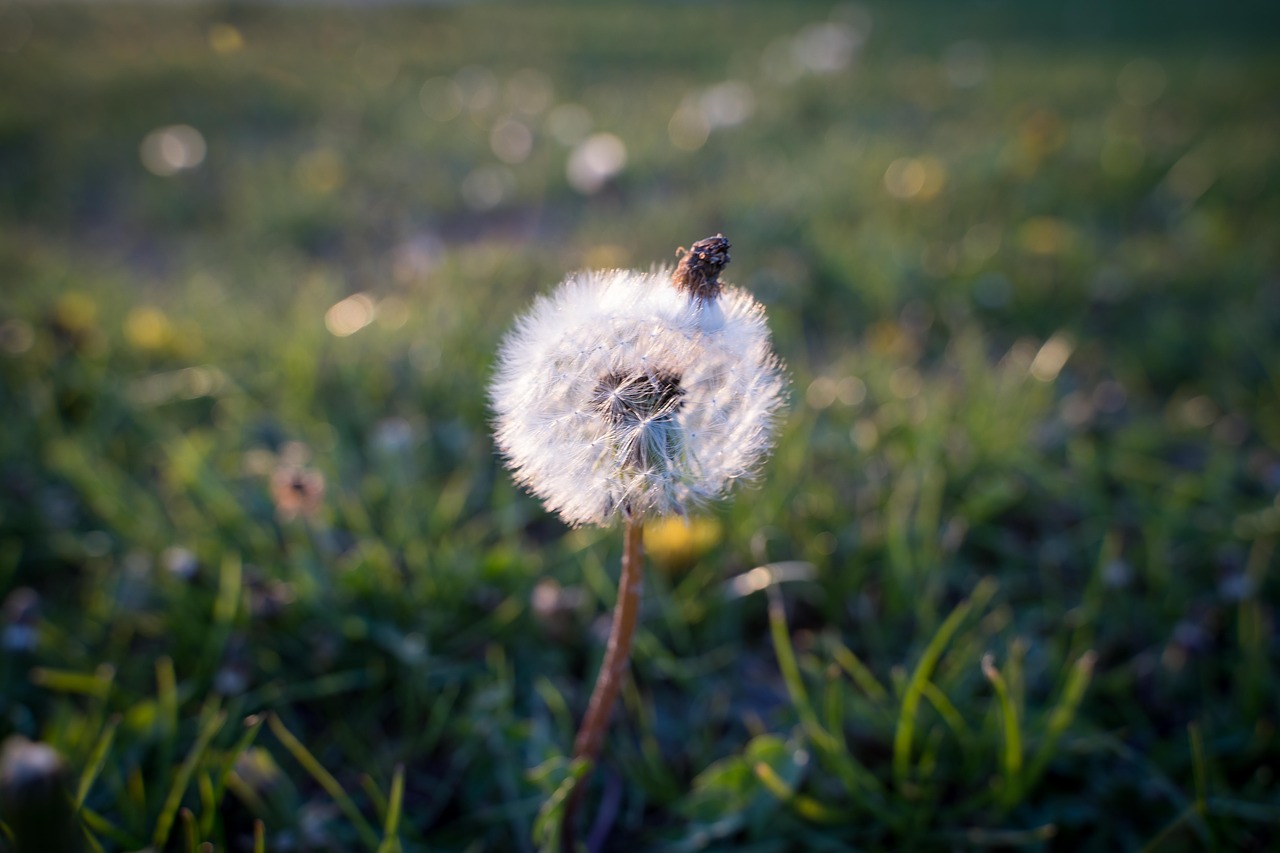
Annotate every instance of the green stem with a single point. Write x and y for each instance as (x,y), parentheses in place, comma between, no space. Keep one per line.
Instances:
(590,738)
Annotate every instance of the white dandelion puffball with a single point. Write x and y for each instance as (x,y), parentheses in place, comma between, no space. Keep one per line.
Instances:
(626,392)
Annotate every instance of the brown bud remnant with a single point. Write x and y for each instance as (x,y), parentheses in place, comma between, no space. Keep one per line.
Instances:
(698,272)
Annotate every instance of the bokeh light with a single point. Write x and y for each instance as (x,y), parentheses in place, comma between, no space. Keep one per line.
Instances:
(529,91)
(511,140)
(596,160)
(169,150)
(1052,357)
(148,328)
(486,187)
(477,87)
(225,38)
(689,127)
(726,104)
(349,315)
(919,178)
(441,98)
(569,123)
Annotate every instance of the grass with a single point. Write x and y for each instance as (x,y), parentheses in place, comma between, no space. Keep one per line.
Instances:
(1009,578)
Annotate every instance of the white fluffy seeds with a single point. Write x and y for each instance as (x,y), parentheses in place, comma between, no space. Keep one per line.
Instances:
(619,393)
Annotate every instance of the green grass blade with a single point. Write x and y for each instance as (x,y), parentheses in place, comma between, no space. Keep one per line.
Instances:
(440,715)
(1006,838)
(229,584)
(858,671)
(326,780)
(251,726)
(1062,715)
(136,793)
(97,758)
(1188,817)
(805,806)
(546,827)
(376,797)
(92,840)
(204,783)
(188,829)
(905,732)
(169,811)
(390,839)
(1158,781)
(1200,767)
(854,774)
(97,685)
(166,716)
(101,826)
(790,668)
(1011,790)
(950,715)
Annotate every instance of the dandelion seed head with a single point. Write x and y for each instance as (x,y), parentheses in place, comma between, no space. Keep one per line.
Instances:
(623,391)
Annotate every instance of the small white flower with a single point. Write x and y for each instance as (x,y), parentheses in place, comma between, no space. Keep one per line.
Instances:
(630,392)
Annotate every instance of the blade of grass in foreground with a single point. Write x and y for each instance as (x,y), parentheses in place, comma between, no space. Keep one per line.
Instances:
(225,607)
(188,829)
(805,806)
(1200,766)
(97,759)
(99,825)
(166,715)
(97,685)
(326,781)
(376,797)
(1062,715)
(950,715)
(1011,790)
(164,822)
(251,726)
(858,671)
(905,732)
(546,827)
(390,840)
(854,775)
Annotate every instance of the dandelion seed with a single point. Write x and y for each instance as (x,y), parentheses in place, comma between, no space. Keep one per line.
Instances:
(648,393)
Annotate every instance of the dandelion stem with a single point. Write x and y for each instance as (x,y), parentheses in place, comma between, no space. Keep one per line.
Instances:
(617,655)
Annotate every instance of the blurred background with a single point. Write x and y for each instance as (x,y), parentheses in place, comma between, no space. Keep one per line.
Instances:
(1009,579)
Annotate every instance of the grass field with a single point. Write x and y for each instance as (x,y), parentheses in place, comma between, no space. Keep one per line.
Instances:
(266,582)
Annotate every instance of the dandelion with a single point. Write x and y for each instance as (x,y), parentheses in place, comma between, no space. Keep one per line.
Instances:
(635,395)
(627,393)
